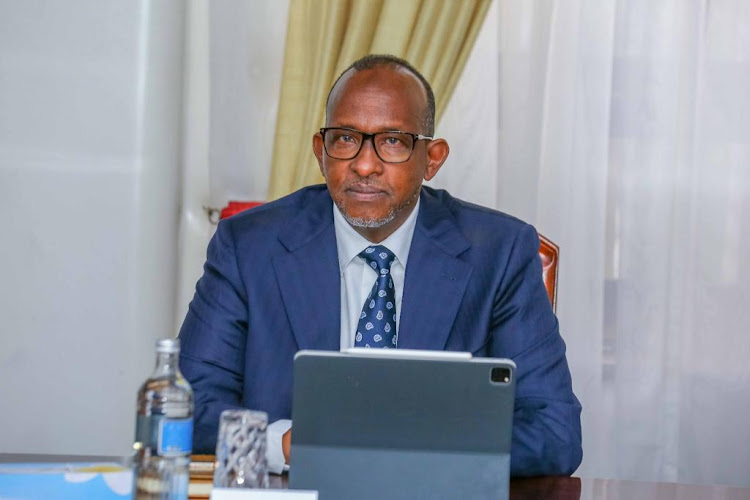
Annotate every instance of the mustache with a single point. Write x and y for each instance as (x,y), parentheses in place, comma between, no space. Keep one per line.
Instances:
(364,182)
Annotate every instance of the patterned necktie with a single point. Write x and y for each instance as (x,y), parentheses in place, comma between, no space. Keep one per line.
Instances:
(377,321)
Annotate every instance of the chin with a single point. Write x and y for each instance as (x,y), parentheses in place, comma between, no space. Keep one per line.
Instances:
(367,221)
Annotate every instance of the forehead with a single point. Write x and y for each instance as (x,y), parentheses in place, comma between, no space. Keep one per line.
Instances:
(375,99)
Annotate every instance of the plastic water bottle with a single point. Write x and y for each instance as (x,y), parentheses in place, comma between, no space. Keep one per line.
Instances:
(164,429)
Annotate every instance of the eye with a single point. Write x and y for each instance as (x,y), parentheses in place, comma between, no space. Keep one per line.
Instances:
(343,137)
(394,141)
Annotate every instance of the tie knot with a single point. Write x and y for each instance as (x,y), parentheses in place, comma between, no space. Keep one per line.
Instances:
(379,258)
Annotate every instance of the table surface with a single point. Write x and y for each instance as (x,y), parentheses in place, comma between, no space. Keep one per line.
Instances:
(549,488)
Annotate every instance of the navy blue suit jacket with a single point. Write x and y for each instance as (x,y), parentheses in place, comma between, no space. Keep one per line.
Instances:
(271,286)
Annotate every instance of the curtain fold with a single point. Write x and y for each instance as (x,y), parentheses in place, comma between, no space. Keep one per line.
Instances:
(623,137)
(325,36)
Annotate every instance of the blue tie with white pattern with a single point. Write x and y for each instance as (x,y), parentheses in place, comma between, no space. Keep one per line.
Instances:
(377,321)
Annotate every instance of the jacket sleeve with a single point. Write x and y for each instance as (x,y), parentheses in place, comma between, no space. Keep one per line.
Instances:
(213,339)
(546,421)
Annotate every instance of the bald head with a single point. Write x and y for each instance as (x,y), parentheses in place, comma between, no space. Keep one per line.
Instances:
(390,67)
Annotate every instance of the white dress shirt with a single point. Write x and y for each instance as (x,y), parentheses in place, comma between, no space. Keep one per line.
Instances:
(357,279)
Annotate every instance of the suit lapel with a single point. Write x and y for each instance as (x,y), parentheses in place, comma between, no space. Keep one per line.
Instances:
(308,275)
(435,279)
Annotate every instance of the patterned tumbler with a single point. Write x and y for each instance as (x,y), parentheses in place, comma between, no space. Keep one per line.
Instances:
(241,450)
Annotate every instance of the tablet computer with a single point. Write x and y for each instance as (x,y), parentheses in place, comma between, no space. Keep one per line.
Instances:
(395,423)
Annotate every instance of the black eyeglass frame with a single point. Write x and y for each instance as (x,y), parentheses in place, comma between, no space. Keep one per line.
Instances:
(371,138)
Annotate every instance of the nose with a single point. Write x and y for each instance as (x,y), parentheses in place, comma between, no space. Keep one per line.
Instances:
(367,161)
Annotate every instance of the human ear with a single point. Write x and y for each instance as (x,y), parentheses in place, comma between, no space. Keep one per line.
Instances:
(437,152)
(317,145)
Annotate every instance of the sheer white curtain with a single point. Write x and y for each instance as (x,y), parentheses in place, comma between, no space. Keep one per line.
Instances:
(624,136)
(234,54)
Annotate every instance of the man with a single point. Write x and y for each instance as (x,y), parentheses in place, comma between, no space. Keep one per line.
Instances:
(298,273)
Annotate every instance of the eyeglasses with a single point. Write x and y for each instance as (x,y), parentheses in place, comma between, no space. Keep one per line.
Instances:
(391,147)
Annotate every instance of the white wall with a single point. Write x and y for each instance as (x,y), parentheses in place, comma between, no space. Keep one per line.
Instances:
(90,110)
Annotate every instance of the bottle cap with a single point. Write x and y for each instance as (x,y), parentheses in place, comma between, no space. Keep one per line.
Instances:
(168,345)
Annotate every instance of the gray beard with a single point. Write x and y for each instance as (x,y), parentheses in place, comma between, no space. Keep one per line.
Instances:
(375,223)
(369,223)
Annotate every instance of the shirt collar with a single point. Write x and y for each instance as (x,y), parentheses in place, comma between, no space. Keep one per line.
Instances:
(350,243)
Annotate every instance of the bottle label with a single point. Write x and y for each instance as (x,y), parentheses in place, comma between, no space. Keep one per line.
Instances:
(175,437)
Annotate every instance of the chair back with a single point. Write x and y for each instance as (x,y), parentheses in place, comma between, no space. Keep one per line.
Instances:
(235,207)
(550,255)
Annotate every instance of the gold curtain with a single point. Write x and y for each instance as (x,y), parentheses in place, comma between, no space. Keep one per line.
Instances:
(326,36)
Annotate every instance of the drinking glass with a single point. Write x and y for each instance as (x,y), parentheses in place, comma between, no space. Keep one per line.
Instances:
(241,450)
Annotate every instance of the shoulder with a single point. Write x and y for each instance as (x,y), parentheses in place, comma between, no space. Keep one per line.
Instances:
(488,239)
(480,225)
(278,214)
